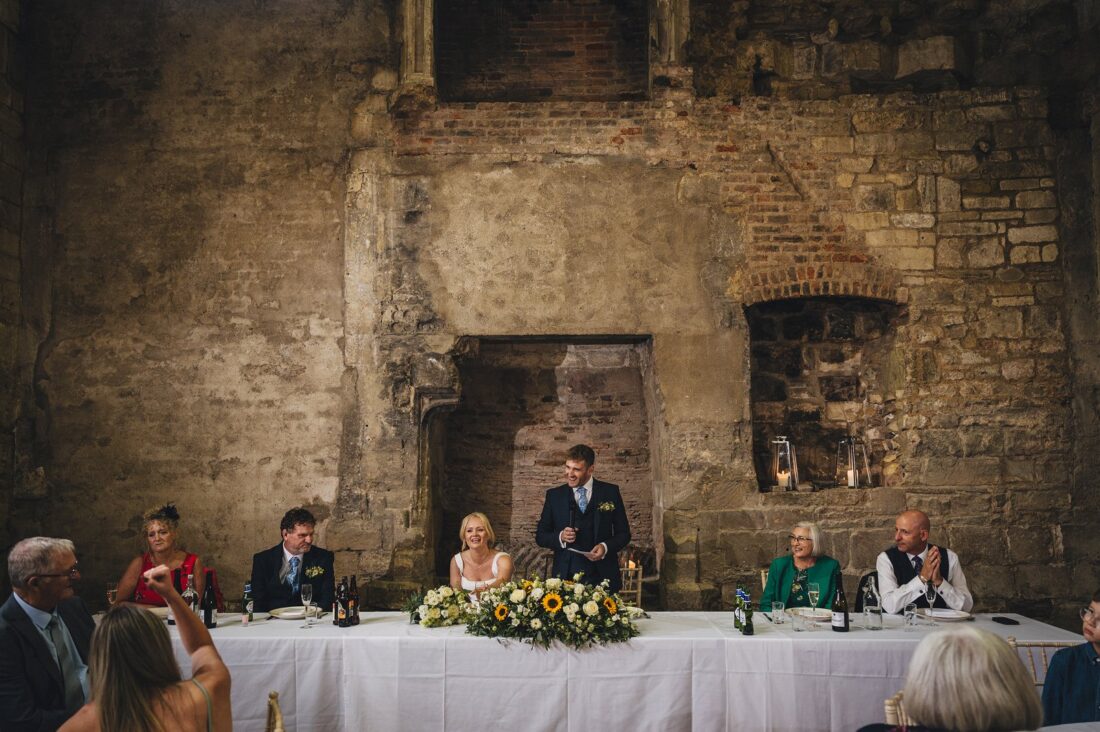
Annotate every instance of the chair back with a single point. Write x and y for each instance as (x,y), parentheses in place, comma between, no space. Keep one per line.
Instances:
(763,579)
(631,591)
(865,580)
(895,711)
(274,714)
(1036,655)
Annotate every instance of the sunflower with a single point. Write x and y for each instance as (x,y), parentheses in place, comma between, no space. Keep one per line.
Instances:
(610,605)
(527,584)
(551,602)
(500,612)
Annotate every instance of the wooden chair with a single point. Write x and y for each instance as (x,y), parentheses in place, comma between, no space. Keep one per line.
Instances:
(763,579)
(631,591)
(895,711)
(1037,654)
(274,714)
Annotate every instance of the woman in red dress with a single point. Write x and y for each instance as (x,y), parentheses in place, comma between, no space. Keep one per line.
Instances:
(161,530)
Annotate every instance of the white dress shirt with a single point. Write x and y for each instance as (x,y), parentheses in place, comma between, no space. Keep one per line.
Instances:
(953,589)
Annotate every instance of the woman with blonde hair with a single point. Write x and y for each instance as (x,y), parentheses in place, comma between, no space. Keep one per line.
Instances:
(135,680)
(968,680)
(161,532)
(790,576)
(478,566)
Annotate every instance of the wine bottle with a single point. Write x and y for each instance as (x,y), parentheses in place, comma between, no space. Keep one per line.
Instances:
(841,621)
(336,602)
(176,580)
(209,602)
(246,604)
(353,602)
(190,596)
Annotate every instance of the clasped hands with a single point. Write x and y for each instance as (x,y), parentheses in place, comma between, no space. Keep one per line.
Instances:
(569,535)
(930,572)
(159,578)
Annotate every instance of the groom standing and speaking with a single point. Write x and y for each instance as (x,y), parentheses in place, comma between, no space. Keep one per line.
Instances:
(584,523)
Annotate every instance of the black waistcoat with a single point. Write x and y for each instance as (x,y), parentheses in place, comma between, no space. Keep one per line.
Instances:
(904,572)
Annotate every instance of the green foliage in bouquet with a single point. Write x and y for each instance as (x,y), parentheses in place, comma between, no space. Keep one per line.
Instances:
(543,611)
(439,607)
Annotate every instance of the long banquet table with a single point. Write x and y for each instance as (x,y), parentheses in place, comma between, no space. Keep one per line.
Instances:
(686,671)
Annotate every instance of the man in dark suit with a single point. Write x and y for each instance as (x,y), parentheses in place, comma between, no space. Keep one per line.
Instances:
(279,572)
(45,632)
(584,522)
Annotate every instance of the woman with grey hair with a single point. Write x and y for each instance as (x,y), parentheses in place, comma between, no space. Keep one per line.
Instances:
(969,680)
(790,576)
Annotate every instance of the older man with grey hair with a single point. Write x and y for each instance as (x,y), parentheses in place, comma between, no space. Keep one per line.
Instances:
(45,632)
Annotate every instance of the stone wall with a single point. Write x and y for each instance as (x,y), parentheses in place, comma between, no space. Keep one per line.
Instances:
(254,266)
(185,198)
(12,164)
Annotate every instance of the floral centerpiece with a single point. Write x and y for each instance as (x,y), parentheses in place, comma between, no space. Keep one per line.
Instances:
(543,611)
(439,607)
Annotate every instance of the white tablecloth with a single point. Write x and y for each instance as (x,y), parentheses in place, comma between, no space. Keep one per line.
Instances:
(687,671)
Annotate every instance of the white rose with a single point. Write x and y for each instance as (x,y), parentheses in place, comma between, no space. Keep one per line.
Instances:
(571,617)
(517,595)
(597,595)
(553,583)
(536,624)
(422,611)
(573,608)
(591,608)
(446,592)
(435,613)
(578,589)
(536,593)
(432,598)
(515,622)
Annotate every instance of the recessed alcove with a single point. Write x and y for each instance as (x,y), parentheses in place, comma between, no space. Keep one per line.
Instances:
(538,50)
(821,369)
(523,403)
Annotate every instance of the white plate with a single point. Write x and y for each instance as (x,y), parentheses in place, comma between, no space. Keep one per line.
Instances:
(289,613)
(235,618)
(819,615)
(943,615)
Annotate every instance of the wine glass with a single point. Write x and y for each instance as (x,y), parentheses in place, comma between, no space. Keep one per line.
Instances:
(112,593)
(813,591)
(307,600)
(930,595)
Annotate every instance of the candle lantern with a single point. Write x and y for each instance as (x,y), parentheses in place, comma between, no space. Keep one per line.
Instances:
(784,464)
(852,467)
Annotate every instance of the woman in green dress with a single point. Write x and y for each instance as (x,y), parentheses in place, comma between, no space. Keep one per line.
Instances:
(789,577)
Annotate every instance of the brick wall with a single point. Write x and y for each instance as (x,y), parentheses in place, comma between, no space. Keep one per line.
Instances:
(525,404)
(541,49)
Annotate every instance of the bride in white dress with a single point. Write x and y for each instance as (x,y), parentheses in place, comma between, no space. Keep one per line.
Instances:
(478,566)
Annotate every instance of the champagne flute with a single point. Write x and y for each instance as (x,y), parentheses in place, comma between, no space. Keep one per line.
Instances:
(813,591)
(307,600)
(112,593)
(930,595)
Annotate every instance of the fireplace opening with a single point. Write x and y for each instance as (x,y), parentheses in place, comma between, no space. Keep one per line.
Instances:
(523,403)
(538,50)
(823,369)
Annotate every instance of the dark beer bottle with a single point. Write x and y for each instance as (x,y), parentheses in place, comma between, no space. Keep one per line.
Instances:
(353,602)
(209,602)
(344,620)
(841,621)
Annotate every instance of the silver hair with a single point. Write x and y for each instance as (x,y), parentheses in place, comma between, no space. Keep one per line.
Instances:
(969,679)
(815,536)
(33,556)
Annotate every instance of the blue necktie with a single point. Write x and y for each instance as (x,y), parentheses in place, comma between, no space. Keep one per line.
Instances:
(582,498)
(293,576)
(917,564)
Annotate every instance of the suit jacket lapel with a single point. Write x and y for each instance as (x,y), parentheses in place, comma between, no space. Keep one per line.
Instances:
(23,625)
(594,505)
